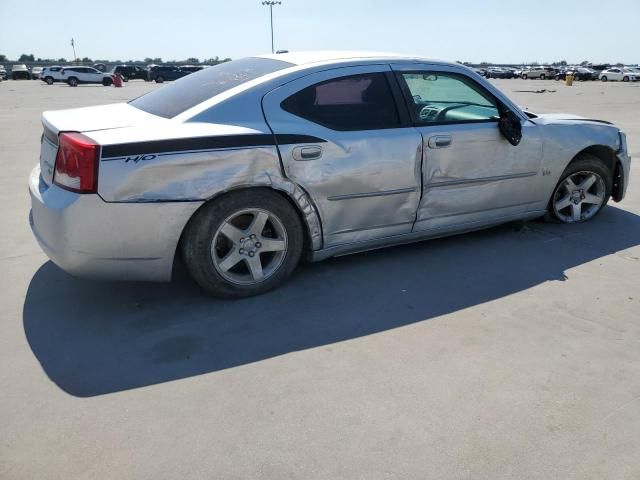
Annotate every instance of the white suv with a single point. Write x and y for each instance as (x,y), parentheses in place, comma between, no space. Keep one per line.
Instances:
(76,75)
(534,72)
(50,75)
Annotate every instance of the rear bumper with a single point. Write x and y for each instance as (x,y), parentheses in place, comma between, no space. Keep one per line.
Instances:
(88,237)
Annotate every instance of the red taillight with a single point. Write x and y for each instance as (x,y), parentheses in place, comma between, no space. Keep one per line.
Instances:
(77,163)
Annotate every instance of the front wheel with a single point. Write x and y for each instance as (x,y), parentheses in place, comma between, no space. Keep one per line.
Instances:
(625,79)
(524,76)
(73,82)
(49,80)
(107,82)
(246,243)
(542,77)
(604,78)
(582,192)
(159,79)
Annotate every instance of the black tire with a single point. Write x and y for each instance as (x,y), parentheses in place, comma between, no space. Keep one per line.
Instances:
(107,82)
(48,80)
(201,231)
(543,77)
(625,79)
(584,163)
(73,82)
(524,76)
(159,79)
(604,78)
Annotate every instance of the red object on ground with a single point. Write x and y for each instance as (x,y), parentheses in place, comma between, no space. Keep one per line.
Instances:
(117,80)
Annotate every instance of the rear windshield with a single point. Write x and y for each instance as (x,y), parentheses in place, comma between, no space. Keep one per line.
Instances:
(175,98)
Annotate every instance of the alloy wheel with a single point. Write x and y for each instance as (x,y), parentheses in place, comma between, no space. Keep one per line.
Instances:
(579,197)
(249,246)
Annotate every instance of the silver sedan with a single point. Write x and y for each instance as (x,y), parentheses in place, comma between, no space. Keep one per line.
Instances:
(244,168)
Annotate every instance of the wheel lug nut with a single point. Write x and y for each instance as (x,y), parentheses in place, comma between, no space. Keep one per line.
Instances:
(241,251)
(251,254)
(252,236)
(258,244)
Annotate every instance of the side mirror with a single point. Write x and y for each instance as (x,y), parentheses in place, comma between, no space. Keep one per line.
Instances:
(510,127)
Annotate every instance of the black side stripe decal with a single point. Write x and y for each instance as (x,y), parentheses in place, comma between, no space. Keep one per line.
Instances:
(204,143)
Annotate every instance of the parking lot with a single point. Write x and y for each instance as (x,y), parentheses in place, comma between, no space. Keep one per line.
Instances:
(511,353)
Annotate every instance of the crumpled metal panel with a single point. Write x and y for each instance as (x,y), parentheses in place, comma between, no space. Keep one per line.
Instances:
(192,176)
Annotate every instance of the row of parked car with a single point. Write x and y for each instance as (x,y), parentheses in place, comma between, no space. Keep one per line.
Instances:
(600,72)
(75,75)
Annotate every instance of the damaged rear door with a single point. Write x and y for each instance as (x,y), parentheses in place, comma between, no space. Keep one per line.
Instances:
(356,155)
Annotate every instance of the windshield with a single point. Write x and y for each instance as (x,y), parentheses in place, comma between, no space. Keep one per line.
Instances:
(171,100)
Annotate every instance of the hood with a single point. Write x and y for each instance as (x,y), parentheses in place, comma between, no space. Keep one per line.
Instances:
(103,117)
(548,118)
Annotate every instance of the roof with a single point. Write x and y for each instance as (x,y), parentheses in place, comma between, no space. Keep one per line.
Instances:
(322,56)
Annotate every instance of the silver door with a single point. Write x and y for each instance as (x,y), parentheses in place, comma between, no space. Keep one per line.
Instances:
(471,174)
(365,183)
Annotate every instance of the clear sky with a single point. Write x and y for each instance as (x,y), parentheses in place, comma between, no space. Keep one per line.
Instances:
(468,30)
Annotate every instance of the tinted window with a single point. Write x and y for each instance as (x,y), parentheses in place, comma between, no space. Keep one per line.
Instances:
(358,102)
(439,97)
(193,89)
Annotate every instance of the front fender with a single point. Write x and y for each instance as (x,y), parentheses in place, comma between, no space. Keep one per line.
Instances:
(565,140)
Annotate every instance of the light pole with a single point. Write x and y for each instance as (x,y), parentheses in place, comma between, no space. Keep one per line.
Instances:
(271,3)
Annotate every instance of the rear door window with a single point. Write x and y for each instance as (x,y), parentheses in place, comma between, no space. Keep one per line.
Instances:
(357,102)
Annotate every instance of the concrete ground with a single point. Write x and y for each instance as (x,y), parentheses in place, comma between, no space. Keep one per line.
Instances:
(512,353)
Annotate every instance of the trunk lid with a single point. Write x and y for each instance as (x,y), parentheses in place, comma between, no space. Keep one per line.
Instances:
(88,119)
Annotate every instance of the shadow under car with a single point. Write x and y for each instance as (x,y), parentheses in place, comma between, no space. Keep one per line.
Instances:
(93,338)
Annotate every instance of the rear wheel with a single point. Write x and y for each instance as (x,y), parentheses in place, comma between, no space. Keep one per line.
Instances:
(582,192)
(524,76)
(243,244)
(73,82)
(159,79)
(543,76)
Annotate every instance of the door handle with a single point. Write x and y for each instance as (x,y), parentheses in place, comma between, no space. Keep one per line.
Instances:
(440,141)
(309,152)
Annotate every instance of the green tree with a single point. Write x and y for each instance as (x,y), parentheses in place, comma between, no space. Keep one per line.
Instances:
(3,58)
(192,60)
(26,58)
(62,60)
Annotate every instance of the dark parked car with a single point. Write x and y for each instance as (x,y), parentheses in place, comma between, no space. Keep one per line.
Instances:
(191,68)
(580,73)
(161,73)
(131,72)
(496,72)
(20,71)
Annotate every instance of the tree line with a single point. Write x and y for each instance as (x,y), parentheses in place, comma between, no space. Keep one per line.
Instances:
(157,60)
